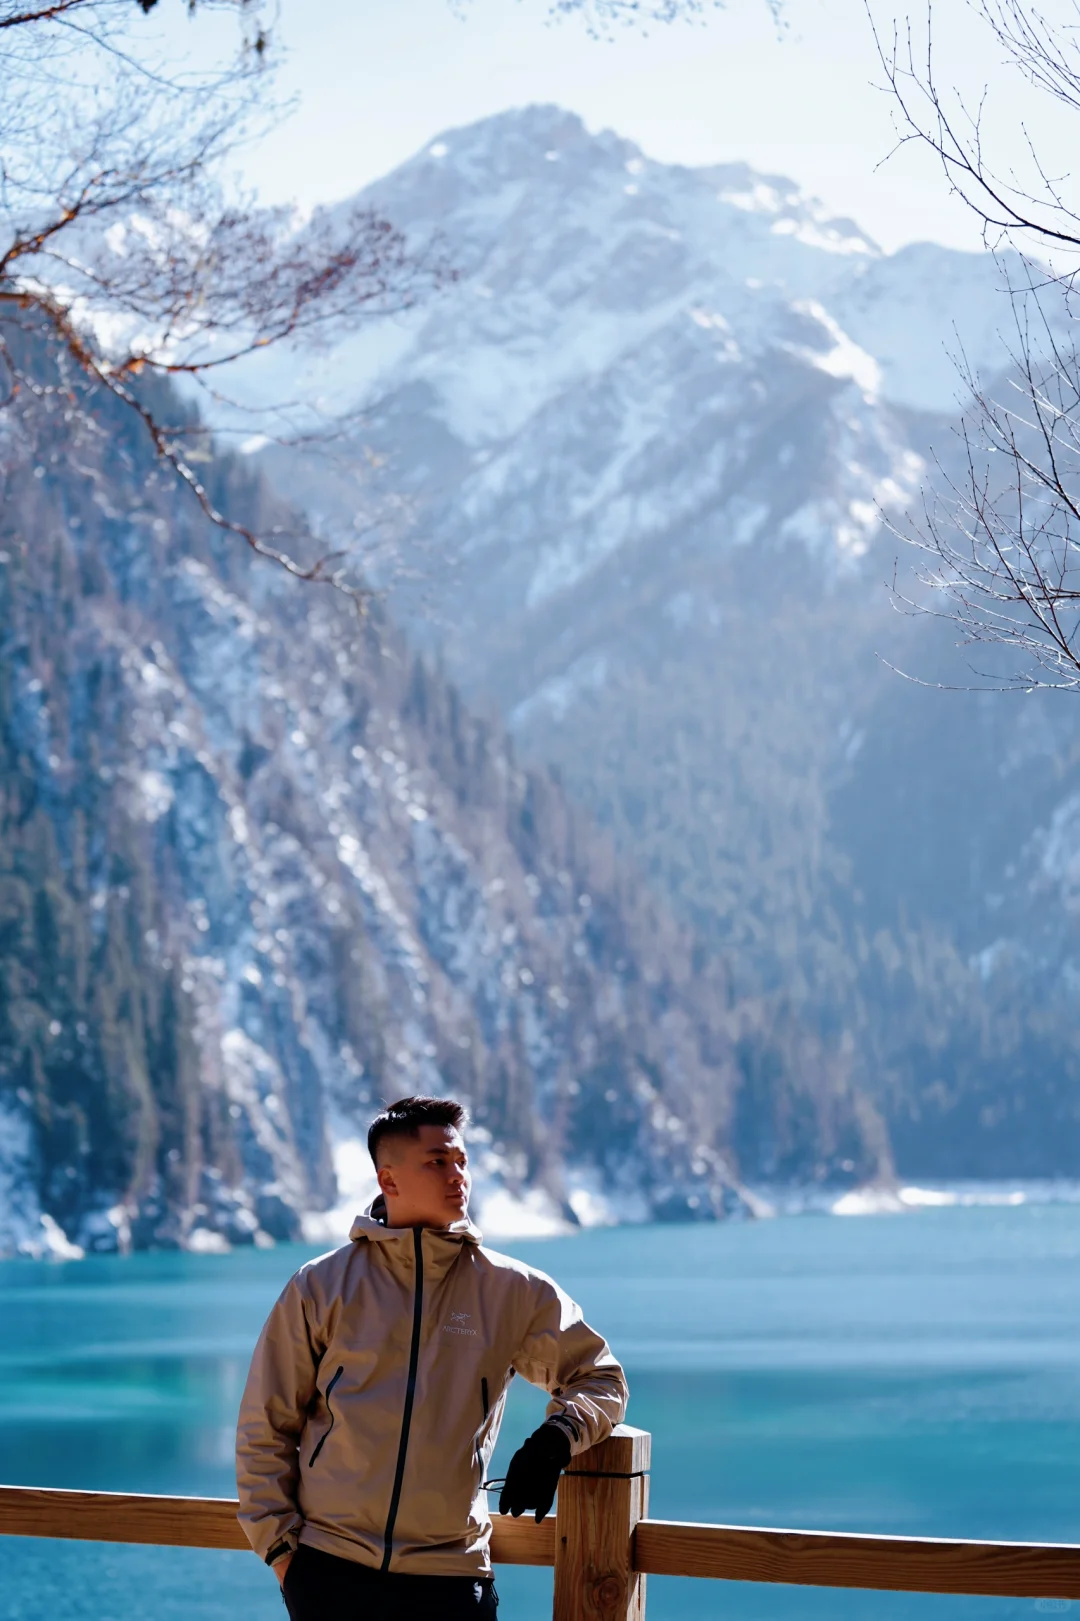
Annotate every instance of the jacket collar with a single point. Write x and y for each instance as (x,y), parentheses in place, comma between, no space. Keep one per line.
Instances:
(372,1226)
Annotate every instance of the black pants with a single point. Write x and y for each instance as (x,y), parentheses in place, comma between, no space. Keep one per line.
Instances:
(321,1587)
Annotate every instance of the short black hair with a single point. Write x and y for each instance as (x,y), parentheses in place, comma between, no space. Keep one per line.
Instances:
(405,1117)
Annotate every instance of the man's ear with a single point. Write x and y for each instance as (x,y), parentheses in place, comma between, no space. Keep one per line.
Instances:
(387,1184)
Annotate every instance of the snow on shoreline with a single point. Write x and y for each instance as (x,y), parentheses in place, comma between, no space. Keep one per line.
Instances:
(896,1200)
(531,1213)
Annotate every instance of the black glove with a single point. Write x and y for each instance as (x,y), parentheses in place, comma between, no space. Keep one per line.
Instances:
(533,1475)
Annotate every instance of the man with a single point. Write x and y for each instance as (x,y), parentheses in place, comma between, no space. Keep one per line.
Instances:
(377,1389)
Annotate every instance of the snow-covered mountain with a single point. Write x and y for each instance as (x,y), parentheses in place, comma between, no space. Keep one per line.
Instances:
(571,249)
(644,440)
(627,345)
(653,397)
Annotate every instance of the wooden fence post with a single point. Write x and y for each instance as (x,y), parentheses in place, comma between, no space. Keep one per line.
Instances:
(602,1496)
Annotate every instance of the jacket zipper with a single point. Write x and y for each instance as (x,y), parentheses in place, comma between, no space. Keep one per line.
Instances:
(410,1392)
(326,1398)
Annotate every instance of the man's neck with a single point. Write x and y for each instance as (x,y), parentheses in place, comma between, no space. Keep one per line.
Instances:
(396,1218)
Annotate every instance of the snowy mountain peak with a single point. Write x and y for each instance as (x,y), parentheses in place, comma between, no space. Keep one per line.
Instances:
(574,247)
(630,344)
(543,160)
(510,145)
(548,147)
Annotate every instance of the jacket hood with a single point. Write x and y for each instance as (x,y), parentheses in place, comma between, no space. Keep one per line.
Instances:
(372,1225)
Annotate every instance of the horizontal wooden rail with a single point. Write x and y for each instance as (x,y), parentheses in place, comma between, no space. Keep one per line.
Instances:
(173,1522)
(660,1547)
(838,1559)
(200,1522)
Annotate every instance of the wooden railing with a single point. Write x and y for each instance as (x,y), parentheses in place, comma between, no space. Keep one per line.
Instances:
(602,1545)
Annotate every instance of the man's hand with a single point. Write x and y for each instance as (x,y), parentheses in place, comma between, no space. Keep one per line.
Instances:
(533,1476)
(280,1566)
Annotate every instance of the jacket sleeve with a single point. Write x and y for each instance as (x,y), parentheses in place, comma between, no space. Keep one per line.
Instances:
(279,1391)
(563,1355)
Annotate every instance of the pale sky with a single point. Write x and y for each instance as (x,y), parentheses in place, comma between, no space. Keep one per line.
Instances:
(375,80)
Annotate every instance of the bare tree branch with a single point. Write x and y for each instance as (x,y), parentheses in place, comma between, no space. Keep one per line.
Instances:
(118,238)
(63,8)
(1000,534)
(954,131)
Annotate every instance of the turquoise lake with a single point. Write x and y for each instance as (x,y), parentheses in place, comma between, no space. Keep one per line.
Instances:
(916,1374)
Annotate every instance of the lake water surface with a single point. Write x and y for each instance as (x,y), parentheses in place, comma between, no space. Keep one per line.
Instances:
(916,1374)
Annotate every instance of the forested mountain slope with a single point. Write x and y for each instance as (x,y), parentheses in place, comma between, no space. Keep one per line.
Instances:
(260,869)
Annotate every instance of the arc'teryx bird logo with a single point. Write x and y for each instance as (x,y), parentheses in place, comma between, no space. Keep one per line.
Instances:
(456,1325)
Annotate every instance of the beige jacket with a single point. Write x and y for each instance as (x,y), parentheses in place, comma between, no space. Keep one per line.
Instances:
(377,1389)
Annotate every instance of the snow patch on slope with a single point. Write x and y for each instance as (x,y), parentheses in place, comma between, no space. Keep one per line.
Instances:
(24,1228)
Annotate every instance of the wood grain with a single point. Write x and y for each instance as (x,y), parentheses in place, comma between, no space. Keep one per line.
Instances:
(183,1522)
(522,1542)
(602,1496)
(200,1522)
(819,1559)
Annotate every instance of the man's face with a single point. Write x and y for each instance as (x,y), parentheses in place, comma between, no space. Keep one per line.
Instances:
(426,1178)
